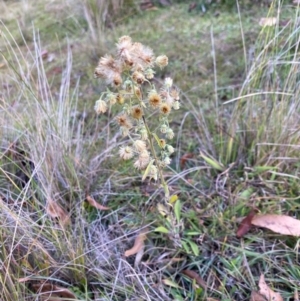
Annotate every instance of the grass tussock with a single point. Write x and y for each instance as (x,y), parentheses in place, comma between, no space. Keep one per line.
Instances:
(236,148)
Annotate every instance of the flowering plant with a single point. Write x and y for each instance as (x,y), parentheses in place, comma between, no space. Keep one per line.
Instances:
(129,76)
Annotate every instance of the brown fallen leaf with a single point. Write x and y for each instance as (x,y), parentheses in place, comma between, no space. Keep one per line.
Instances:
(52,292)
(245,225)
(185,158)
(256,296)
(138,244)
(193,275)
(267,21)
(56,211)
(93,203)
(281,224)
(266,291)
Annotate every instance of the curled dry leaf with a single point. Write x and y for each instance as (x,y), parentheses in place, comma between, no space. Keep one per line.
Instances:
(52,292)
(185,158)
(193,275)
(266,291)
(93,203)
(245,225)
(55,210)
(267,21)
(281,224)
(138,244)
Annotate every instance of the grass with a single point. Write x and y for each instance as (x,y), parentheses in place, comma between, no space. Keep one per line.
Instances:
(54,148)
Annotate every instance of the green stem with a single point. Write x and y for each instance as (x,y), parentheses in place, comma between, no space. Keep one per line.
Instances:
(163,182)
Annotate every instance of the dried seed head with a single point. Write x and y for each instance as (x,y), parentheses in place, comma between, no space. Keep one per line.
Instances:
(154,99)
(165,108)
(138,92)
(162,143)
(142,161)
(137,112)
(139,145)
(126,152)
(120,99)
(124,121)
(100,106)
(138,77)
(161,61)
(174,94)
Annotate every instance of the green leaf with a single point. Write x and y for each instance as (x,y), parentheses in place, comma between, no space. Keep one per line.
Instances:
(177,210)
(192,233)
(162,230)
(212,162)
(194,247)
(185,247)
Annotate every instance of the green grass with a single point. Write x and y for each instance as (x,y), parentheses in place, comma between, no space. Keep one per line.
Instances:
(240,108)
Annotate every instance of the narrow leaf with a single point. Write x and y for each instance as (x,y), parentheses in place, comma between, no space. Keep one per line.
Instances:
(194,247)
(147,170)
(177,210)
(212,162)
(170,282)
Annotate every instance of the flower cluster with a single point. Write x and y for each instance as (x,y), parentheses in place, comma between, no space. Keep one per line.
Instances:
(128,76)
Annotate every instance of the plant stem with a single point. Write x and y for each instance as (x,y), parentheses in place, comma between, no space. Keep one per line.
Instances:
(163,182)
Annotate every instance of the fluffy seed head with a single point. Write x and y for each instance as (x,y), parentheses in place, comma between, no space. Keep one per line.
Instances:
(142,161)
(100,106)
(161,61)
(168,82)
(139,145)
(126,152)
